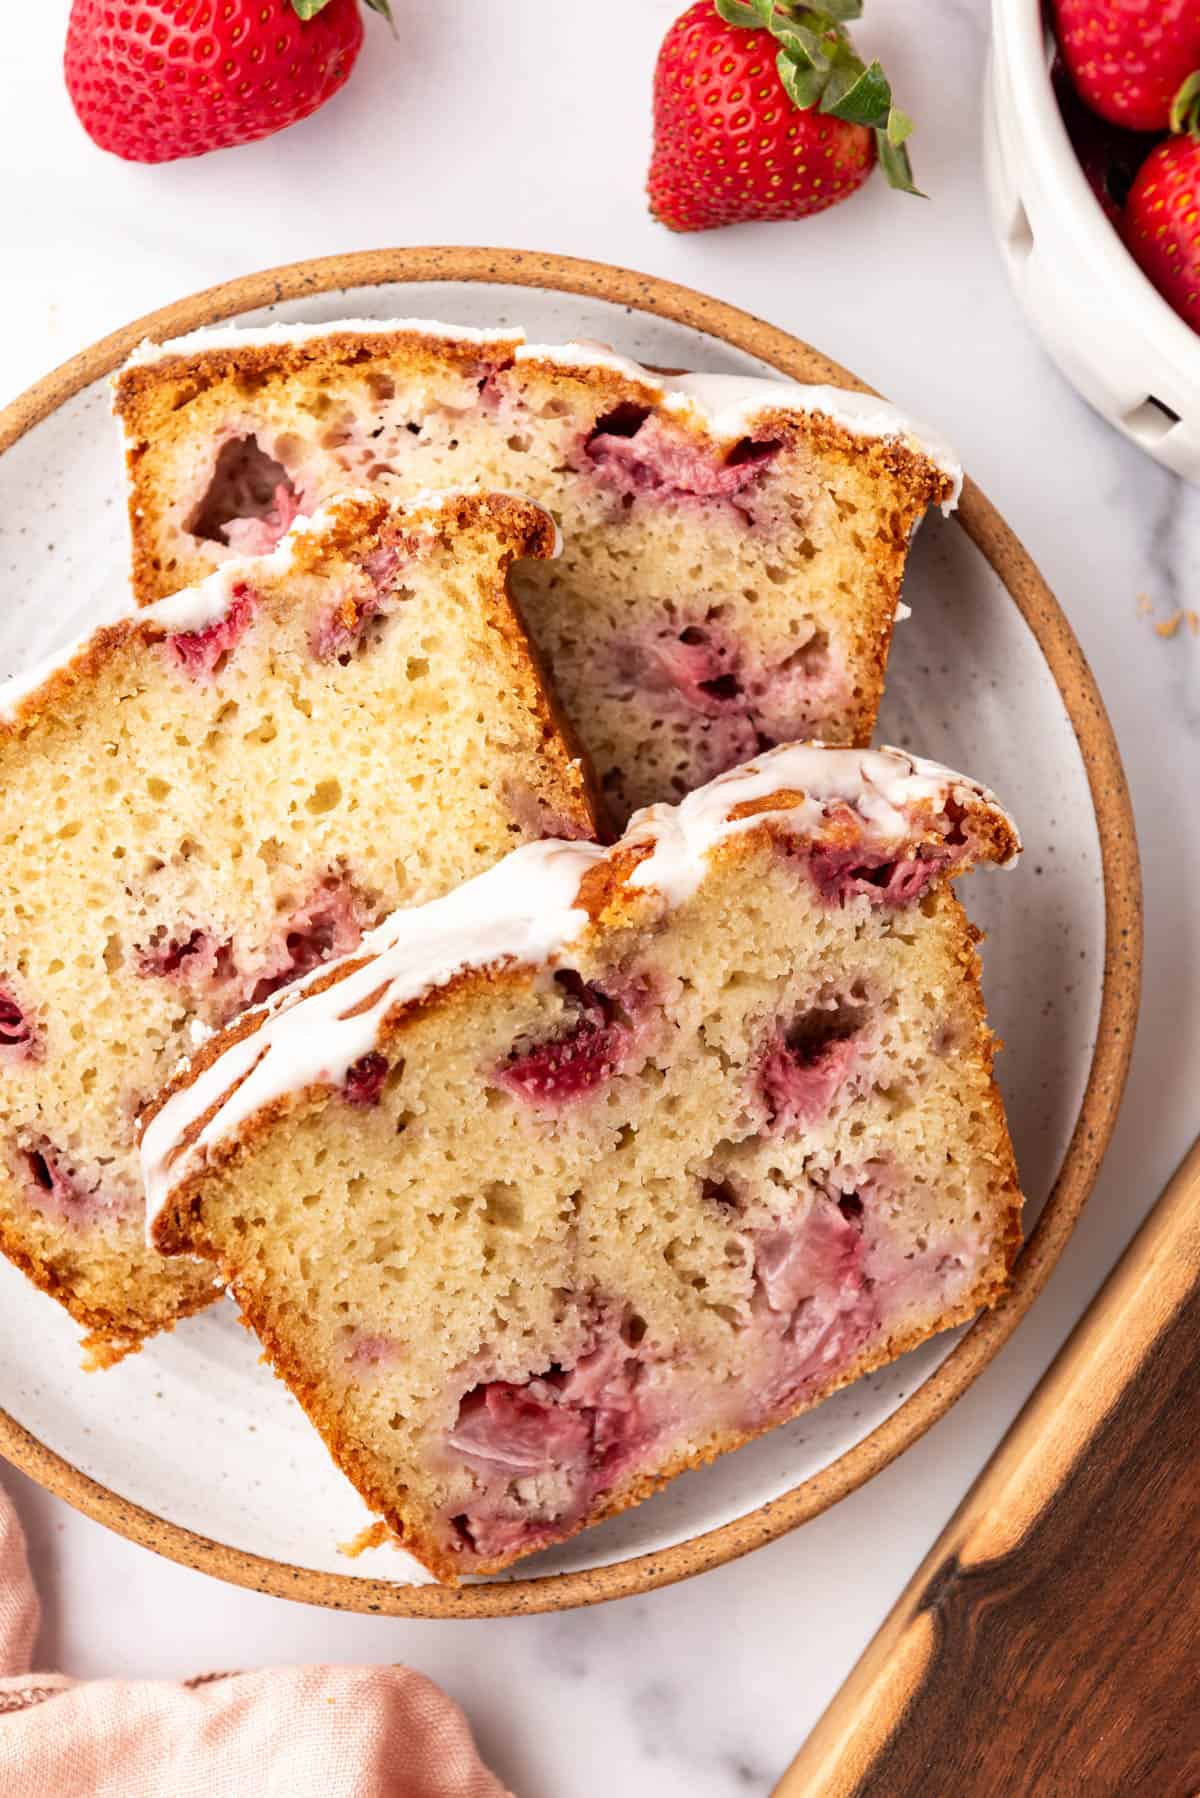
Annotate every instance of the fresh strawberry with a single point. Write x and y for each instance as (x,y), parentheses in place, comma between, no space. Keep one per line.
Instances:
(1162,214)
(1109,156)
(762,110)
(1128,58)
(170,78)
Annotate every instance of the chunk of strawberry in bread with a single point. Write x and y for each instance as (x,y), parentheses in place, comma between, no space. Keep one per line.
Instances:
(674,1139)
(210,798)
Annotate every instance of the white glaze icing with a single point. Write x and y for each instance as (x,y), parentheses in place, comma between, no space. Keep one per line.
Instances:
(585,354)
(195,608)
(15,689)
(725,405)
(521,910)
(524,910)
(729,405)
(236,337)
(198,607)
(878,784)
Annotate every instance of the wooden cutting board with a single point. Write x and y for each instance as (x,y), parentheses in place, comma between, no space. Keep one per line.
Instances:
(1050,1642)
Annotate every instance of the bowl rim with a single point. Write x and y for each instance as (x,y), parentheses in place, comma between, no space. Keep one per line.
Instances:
(1119,993)
(1019,36)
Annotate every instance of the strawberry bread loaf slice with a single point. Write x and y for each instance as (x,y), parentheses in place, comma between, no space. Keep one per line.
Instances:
(733,547)
(666,1142)
(203,800)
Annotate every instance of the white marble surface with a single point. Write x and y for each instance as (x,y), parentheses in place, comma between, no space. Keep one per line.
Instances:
(527,125)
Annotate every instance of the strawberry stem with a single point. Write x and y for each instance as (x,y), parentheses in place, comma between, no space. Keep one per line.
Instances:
(819,66)
(734,12)
(308,9)
(1185,107)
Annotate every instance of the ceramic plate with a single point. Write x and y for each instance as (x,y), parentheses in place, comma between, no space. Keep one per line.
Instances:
(191,1446)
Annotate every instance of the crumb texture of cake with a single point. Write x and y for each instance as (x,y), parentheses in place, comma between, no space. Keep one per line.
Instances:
(206,799)
(734,547)
(661,1144)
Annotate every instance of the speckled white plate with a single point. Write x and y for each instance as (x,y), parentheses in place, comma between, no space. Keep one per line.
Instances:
(192,1446)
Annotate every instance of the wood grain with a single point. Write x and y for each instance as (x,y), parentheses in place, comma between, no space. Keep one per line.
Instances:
(1050,1642)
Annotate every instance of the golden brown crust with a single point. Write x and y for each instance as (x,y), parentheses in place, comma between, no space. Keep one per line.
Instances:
(562,758)
(175,1229)
(408,1526)
(612,904)
(100,651)
(987,1292)
(352,528)
(149,397)
(989,1288)
(109,1337)
(183,376)
(407,1529)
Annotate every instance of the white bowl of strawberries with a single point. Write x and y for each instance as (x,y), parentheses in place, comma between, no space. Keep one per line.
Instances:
(1099,224)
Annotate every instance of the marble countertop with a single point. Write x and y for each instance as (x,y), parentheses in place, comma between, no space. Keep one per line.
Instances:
(492,125)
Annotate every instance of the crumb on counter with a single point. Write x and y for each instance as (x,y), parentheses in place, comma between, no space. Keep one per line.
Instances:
(375,1535)
(1168,626)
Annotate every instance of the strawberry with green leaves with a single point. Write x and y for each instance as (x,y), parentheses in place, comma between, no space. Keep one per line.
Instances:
(1162,213)
(764,110)
(169,78)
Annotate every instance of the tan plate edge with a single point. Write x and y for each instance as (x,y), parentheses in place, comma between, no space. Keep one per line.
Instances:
(1119,997)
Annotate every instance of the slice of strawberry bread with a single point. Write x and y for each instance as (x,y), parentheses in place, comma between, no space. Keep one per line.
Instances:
(734,547)
(205,799)
(664,1143)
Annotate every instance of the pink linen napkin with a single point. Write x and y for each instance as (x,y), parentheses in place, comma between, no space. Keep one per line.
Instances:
(289,1732)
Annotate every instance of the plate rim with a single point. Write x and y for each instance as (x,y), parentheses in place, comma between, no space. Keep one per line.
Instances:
(1120,988)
